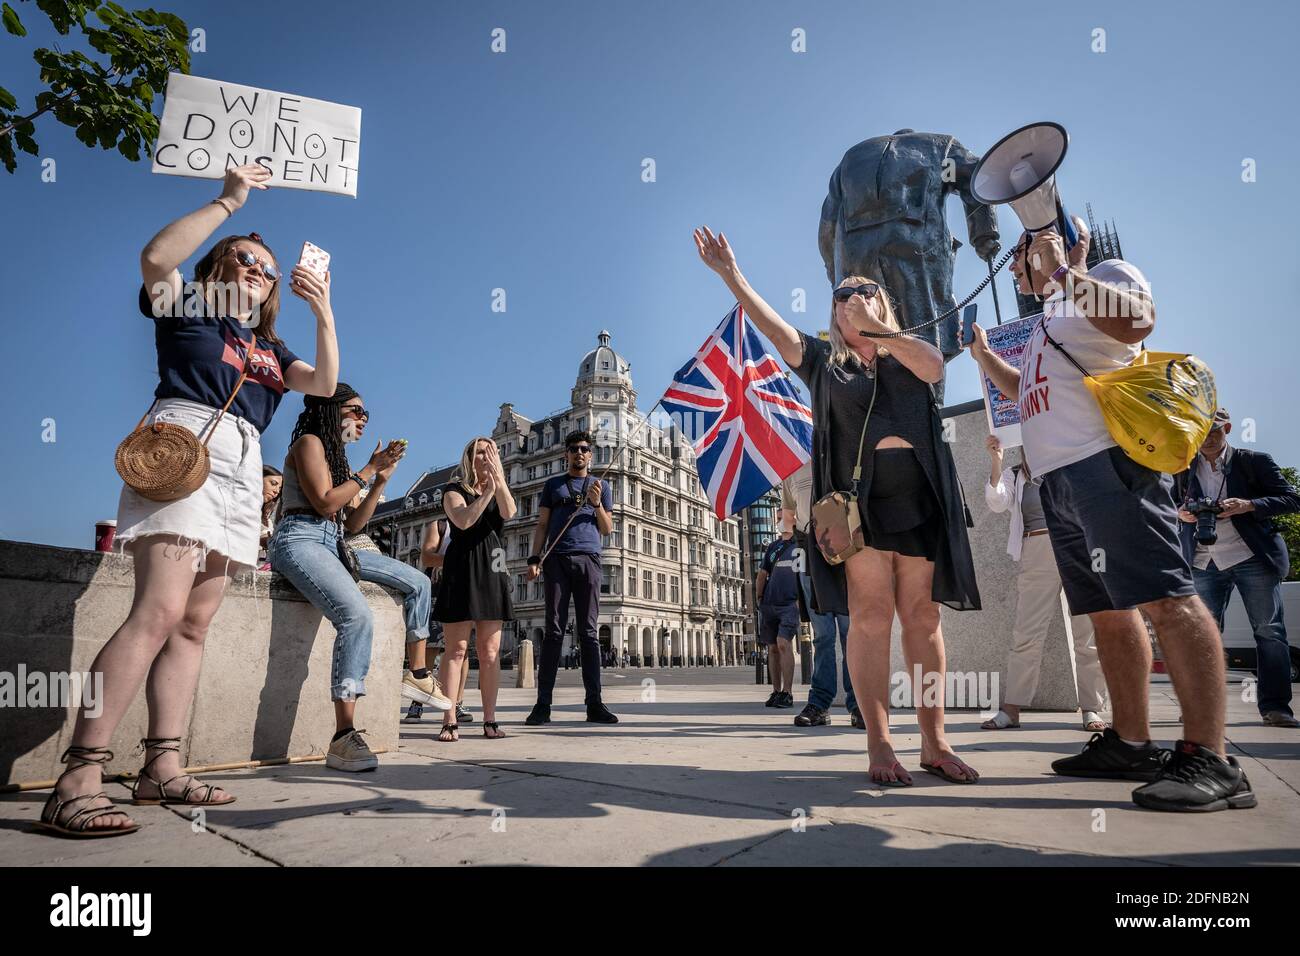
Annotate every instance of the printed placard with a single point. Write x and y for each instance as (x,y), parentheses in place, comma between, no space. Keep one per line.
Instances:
(209,125)
(1003,411)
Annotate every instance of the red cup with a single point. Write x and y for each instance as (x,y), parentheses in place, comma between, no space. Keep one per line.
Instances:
(104,533)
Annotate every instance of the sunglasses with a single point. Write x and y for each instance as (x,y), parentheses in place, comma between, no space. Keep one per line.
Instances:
(580,449)
(847,292)
(357,411)
(248,260)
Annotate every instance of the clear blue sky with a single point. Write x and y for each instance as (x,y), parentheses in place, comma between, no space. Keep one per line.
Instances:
(522,170)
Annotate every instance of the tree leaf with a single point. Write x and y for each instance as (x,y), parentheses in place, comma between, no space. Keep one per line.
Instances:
(12,23)
(7,101)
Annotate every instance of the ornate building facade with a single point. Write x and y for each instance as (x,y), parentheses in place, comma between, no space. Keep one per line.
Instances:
(673,588)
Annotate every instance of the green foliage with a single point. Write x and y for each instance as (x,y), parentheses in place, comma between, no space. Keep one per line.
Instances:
(106,94)
(1290,527)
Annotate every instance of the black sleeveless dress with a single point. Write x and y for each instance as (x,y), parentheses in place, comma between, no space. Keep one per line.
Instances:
(471,590)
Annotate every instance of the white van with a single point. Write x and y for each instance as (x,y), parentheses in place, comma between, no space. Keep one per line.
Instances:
(1239,640)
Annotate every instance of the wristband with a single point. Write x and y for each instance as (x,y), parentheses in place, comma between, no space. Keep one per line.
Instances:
(534,559)
(220,201)
(356,476)
(1060,273)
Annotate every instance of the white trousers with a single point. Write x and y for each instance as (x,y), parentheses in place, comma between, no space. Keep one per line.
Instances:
(1038,601)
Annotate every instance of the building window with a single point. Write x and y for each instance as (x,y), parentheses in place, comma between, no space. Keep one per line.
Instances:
(631,582)
(647,584)
(675,591)
(647,543)
(662,587)
(617,536)
(646,502)
(659,506)
(672,511)
(660,548)
(631,537)
(606,580)
(672,547)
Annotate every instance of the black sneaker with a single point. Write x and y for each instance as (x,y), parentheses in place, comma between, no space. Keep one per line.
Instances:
(463,716)
(810,716)
(786,699)
(540,714)
(414,712)
(598,713)
(1196,780)
(773,700)
(1106,755)
(856,721)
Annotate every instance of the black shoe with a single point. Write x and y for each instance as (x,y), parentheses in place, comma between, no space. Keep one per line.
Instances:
(540,714)
(1196,780)
(1106,755)
(463,716)
(414,712)
(810,716)
(856,721)
(785,700)
(598,713)
(772,701)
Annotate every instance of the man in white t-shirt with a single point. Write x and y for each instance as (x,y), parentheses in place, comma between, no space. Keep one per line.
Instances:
(1114,530)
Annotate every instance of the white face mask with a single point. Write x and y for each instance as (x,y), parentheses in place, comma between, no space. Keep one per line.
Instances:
(349,431)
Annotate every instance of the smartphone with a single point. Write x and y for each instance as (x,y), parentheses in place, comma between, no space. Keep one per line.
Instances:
(315,259)
(968,324)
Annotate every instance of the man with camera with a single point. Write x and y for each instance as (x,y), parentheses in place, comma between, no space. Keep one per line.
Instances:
(1114,529)
(1245,551)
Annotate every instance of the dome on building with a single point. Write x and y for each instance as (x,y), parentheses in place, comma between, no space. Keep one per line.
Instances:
(602,365)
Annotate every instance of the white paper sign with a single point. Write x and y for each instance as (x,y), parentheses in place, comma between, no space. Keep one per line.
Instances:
(208,126)
(1008,341)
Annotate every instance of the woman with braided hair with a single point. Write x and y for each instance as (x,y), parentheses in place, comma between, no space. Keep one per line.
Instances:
(321,508)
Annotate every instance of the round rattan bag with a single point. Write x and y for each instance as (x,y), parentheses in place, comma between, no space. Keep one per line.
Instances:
(162,461)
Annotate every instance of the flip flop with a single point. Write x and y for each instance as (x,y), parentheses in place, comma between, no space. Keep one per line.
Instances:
(897,768)
(937,768)
(1000,721)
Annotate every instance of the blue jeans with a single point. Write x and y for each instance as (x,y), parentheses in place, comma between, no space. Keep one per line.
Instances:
(1261,592)
(822,693)
(305,550)
(414,587)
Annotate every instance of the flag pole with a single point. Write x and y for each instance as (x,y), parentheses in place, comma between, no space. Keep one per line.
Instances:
(614,460)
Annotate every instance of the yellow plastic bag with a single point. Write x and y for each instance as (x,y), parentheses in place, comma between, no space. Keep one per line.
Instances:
(1159,409)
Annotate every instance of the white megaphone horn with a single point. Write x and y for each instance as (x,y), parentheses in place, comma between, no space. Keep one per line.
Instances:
(1020,170)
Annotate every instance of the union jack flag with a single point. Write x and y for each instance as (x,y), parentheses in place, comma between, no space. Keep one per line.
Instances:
(746,422)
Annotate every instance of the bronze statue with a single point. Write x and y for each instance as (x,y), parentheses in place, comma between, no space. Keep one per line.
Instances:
(883,218)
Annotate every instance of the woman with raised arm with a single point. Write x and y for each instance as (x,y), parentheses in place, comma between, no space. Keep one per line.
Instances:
(207,333)
(877,437)
(475,589)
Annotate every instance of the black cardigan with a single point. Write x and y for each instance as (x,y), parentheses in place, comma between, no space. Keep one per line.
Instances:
(954,568)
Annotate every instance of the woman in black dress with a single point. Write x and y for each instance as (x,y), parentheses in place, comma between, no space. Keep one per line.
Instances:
(475,589)
(877,435)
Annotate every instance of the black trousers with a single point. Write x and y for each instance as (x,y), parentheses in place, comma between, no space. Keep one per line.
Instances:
(565,577)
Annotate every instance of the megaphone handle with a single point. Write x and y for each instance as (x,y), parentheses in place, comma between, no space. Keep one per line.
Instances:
(1066,225)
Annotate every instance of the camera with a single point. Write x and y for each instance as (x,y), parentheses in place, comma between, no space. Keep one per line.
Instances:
(1206,511)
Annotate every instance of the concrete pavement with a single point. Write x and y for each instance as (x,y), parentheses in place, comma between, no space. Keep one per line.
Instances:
(698,774)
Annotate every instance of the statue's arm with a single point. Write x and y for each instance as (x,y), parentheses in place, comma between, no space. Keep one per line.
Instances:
(981,220)
(826,228)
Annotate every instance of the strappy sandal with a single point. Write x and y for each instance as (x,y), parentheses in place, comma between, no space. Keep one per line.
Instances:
(164,799)
(449,729)
(940,768)
(495,728)
(75,824)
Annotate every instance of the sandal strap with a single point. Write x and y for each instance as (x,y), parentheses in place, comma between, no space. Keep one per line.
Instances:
(84,815)
(161,746)
(76,757)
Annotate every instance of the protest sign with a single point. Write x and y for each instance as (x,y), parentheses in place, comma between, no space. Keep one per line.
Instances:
(208,126)
(1003,411)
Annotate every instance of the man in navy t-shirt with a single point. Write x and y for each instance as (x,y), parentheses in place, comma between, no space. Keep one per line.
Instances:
(575,511)
(778,609)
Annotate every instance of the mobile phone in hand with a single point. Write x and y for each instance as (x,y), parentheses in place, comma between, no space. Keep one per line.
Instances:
(314,259)
(968,325)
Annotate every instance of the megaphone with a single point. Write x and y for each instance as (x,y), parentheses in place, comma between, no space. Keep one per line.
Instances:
(1020,170)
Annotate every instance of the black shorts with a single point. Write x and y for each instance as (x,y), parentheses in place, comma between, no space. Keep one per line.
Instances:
(1114,531)
(774,622)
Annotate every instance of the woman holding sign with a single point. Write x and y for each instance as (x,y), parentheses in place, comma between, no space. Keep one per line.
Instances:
(887,494)
(216,344)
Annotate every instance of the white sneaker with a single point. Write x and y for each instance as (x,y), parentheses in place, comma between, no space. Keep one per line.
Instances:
(350,753)
(426,691)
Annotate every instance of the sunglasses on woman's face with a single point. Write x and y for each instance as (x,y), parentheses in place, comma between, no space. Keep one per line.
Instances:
(847,292)
(248,260)
(359,413)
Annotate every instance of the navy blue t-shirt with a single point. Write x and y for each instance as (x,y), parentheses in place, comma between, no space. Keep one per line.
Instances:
(200,359)
(582,537)
(782,586)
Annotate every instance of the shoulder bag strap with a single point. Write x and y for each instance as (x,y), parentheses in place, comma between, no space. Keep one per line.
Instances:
(1042,323)
(875,389)
(243,376)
